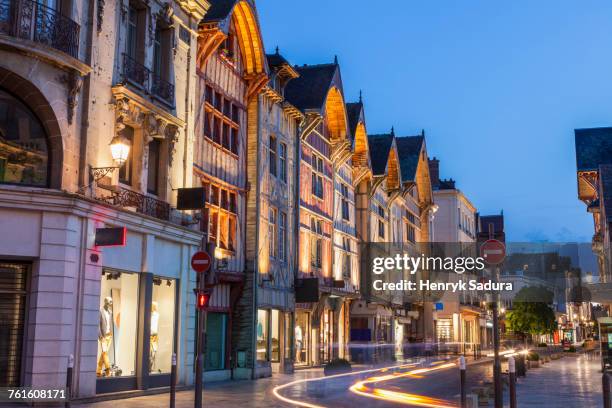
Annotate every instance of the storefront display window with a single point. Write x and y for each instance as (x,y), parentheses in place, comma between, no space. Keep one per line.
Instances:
(288,335)
(216,326)
(117,329)
(275,336)
(161,345)
(262,335)
(301,337)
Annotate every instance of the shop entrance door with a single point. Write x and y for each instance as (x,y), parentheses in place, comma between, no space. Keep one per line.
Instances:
(13,278)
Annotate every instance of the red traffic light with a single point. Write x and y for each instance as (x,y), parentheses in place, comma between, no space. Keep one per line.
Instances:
(203,297)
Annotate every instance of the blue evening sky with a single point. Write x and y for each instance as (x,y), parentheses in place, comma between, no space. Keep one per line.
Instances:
(498,87)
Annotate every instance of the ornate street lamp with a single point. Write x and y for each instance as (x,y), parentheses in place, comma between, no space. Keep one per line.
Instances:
(120,150)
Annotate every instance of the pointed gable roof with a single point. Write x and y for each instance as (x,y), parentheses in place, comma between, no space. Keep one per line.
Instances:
(380,146)
(354,111)
(309,91)
(409,150)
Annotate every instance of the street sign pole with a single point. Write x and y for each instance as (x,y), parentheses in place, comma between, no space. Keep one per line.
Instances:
(201,262)
(496,361)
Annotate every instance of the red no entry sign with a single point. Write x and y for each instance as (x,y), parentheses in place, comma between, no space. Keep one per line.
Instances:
(200,261)
(493,251)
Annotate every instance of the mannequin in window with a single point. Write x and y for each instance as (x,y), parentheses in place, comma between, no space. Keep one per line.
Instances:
(154,339)
(105,336)
(298,344)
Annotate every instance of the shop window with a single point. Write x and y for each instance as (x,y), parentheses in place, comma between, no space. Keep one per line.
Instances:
(126,170)
(216,328)
(302,338)
(162,325)
(24,154)
(153,167)
(288,334)
(12,310)
(275,335)
(117,329)
(262,335)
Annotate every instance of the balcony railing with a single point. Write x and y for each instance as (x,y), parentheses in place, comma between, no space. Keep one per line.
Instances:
(141,76)
(29,20)
(143,204)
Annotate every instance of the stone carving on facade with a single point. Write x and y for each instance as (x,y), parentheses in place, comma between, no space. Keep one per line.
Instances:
(128,112)
(73,83)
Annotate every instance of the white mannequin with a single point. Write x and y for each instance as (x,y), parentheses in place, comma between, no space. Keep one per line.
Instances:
(298,344)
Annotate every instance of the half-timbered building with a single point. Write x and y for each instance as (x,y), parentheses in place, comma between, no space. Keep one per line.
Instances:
(232,69)
(320,307)
(271,246)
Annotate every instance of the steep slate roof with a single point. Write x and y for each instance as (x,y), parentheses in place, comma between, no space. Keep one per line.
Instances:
(276,60)
(593,147)
(219,10)
(353,111)
(408,150)
(605,176)
(379,152)
(310,89)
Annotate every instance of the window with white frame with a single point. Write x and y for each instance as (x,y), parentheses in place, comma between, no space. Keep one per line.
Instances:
(316,243)
(282,236)
(344,191)
(282,161)
(220,216)
(272,157)
(272,232)
(317,176)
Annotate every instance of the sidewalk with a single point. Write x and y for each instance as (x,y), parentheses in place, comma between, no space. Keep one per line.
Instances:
(573,381)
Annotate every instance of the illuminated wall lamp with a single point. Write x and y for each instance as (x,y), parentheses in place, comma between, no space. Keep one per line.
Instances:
(120,149)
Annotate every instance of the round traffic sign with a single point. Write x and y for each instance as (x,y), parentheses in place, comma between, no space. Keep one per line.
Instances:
(493,251)
(201,262)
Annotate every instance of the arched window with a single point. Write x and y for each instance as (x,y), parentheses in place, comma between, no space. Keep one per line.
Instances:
(24,153)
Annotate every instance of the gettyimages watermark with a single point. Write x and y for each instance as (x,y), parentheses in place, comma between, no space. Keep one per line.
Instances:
(555,273)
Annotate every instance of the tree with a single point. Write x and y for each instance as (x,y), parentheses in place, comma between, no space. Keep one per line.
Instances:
(532,312)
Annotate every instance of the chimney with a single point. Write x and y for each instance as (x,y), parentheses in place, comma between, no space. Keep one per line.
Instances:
(434,172)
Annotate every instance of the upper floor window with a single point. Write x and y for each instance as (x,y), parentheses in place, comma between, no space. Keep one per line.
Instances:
(24,152)
(317,176)
(137,18)
(282,161)
(282,236)
(316,243)
(221,120)
(273,155)
(153,167)
(220,216)
(272,231)
(345,202)
(381,221)
(126,170)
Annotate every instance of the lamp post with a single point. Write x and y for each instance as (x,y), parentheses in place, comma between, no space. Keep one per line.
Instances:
(120,150)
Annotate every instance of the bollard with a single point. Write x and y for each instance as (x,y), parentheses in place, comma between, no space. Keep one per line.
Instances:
(512,381)
(462,383)
(605,379)
(173,381)
(69,381)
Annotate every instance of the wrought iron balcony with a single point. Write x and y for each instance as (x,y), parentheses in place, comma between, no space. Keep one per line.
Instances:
(143,204)
(30,20)
(162,89)
(135,72)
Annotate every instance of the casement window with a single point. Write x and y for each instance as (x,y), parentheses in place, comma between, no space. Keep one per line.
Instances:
(381,221)
(282,236)
(317,176)
(282,161)
(272,231)
(126,170)
(136,29)
(346,258)
(272,157)
(316,243)
(221,118)
(153,167)
(220,216)
(344,191)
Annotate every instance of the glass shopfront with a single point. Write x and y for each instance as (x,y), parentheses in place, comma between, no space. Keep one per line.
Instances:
(136,331)
(161,345)
(275,336)
(216,327)
(262,334)
(301,338)
(326,334)
(117,331)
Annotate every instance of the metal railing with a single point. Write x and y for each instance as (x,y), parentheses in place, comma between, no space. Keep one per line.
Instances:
(144,204)
(138,74)
(30,20)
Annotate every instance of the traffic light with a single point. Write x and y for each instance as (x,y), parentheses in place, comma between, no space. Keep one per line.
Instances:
(202,299)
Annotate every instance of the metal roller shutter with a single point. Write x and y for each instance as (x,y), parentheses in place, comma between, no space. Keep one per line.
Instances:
(13,278)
